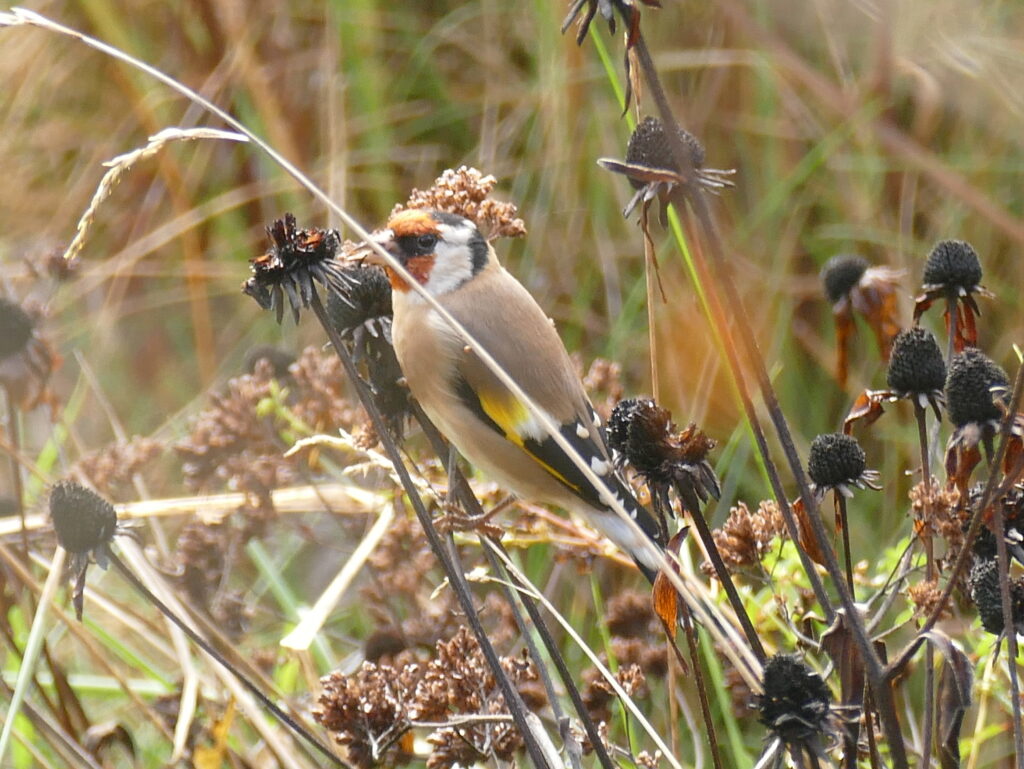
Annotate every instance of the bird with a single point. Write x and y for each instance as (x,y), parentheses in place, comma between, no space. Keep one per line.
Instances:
(447,254)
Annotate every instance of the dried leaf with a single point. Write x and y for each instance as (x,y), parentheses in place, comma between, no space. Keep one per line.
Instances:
(960,463)
(843,315)
(664,596)
(213,756)
(807,539)
(867,407)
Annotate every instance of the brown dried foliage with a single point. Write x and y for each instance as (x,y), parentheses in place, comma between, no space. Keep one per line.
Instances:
(232,445)
(745,537)
(110,470)
(372,710)
(466,192)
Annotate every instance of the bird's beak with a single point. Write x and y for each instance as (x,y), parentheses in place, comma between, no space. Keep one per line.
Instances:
(386,240)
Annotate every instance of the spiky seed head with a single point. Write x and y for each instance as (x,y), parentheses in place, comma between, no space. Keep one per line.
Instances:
(82,519)
(795,703)
(969,383)
(835,459)
(648,146)
(17,328)
(367,296)
(841,273)
(621,418)
(983,582)
(916,364)
(953,264)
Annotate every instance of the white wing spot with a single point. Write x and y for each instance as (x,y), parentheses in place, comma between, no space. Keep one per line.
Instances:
(599,466)
(582,432)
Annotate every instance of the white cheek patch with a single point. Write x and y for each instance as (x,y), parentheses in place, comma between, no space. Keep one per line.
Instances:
(452,267)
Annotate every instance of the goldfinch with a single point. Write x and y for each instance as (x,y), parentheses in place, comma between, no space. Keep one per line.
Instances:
(483,419)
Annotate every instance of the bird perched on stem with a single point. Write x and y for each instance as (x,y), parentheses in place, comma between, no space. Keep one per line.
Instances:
(492,428)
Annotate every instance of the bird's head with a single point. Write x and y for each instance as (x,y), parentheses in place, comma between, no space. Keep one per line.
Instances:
(440,250)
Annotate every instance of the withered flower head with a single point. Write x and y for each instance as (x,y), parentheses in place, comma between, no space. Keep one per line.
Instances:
(838,462)
(852,286)
(795,703)
(841,274)
(278,358)
(642,433)
(626,8)
(953,266)
(652,170)
(974,384)
(84,523)
(365,299)
(983,582)
(953,272)
(26,360)
(916,367)
(17,325)
(297,260)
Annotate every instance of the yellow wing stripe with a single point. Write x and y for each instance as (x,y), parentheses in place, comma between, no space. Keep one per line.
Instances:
(506,411)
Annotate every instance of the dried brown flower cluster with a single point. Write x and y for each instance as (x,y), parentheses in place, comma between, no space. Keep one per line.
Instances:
(372,711)
(603,382)
(638,646)
(466,192)
(110,470)
(232,445)
(940,512)
(745,537)
(925,598)
(204,558)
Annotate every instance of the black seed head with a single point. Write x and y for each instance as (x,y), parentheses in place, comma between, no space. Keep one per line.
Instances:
(366,297)
(278,358)
(969,383)
(983,582)
(622,416)
(953,264)
(916,364)
(841,273)
(297,260)
(82,519)
(795,703)
(15,328)
(835,458)
(649,147)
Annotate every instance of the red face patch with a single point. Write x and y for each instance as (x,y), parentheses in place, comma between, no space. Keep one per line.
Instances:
(418,266)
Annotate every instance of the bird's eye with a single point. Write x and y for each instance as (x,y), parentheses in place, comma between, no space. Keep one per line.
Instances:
(426,242)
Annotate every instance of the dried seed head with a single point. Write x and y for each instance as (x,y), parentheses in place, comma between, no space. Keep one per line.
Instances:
(648,146)
(795,703)
(953,264)
(969,388)
(841,273)
(367,297)
(82,519)
(466,191)
(983,582)
(17,328)
(296,261)
(835,459)
(916,364)
(278,358)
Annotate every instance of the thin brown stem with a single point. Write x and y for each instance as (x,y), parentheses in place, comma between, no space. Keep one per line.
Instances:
(845,527)
(702,692)
(926,537)
(1009,632)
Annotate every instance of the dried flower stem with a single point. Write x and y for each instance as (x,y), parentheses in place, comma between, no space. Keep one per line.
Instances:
(14,434)
(452,569)
(929,652)
(844,525)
